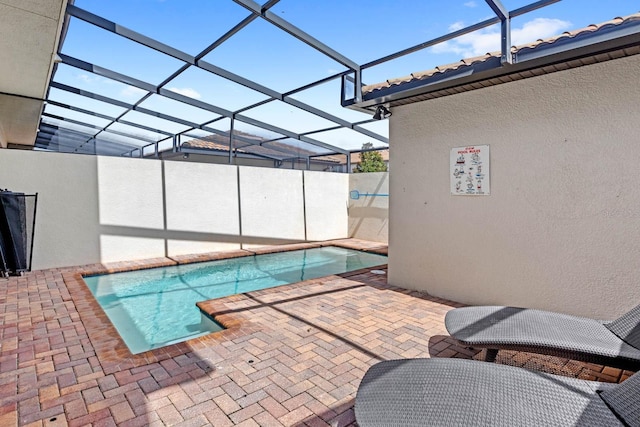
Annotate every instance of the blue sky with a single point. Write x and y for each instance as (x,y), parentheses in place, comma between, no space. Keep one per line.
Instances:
(361,30)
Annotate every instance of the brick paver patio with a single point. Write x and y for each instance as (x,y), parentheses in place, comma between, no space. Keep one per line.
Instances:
(291,356)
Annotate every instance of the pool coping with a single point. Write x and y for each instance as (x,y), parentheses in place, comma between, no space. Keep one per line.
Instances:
(111,350)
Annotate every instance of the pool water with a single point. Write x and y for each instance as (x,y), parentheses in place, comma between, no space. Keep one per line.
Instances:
(156,307)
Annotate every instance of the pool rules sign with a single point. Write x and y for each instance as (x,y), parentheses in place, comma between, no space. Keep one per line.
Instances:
(470,171)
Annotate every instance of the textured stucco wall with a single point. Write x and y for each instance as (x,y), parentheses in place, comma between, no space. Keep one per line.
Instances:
(561,228)
(105,209)
(271,203)
(326,205)
(369,215)
(131,209)
(202,202)
(67,226)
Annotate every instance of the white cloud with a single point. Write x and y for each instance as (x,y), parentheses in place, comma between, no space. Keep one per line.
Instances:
(471,4)
(88,78)
(187,91)
(539,28)
(95,80)
(132,92)
(458,25)
(488,39)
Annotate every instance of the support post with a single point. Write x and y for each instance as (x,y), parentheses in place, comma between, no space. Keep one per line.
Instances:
(358,85)
(506,57)
(505,18)
(233,119)
(33,229)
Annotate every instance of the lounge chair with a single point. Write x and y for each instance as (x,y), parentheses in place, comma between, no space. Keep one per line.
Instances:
(615,343)
(458,392)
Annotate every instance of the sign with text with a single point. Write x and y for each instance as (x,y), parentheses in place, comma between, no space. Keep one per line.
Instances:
(470,171)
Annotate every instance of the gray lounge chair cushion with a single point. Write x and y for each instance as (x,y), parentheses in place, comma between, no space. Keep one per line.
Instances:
(624,399)
(627,327)
(457,392)
(540,331)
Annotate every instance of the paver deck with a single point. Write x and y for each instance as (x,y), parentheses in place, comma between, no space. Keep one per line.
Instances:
(291,356)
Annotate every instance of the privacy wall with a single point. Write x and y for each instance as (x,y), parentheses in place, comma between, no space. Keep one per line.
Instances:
(561,228)
(105,209)
(369,206)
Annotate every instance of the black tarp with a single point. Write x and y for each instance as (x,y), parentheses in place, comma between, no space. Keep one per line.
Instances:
(13,232)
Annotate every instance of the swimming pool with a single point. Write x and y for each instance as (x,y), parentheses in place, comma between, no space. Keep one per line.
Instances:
(156,307)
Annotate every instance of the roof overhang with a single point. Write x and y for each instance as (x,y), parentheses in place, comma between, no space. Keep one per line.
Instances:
(588,47)
(29,37)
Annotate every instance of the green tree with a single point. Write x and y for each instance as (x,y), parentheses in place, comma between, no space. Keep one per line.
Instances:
(370,161)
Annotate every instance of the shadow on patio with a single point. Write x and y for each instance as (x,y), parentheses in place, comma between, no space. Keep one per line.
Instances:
(291,356)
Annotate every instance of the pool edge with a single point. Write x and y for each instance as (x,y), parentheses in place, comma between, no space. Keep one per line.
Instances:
(111,350)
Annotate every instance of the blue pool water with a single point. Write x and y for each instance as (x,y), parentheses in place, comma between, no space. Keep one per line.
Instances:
(156,307)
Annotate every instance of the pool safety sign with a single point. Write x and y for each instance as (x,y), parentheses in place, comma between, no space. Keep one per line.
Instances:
(470,171)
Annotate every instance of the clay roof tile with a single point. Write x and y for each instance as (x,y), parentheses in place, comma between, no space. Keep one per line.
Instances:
(514,49)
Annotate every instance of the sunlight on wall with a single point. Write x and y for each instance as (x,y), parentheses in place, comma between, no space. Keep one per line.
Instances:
(369,215)
(326,205)
(130,193)
(107,209)
(271,203)
(201,198)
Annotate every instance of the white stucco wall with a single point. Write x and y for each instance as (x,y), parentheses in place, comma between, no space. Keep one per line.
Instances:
(561,228)
(105,209)
(67,227)
(326,201)
(202,201)
(131,209)
(369,215)
(271,203)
